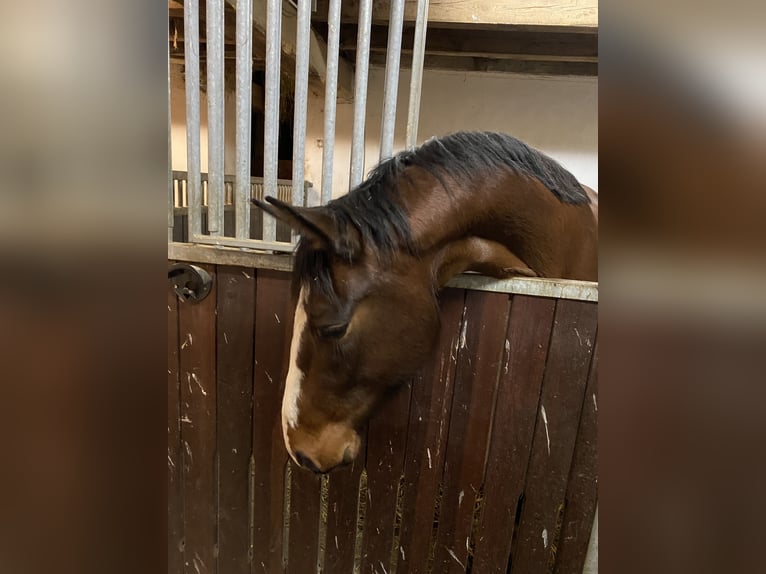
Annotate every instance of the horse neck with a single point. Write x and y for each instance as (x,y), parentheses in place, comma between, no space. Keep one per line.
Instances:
(438,216)
(552,238)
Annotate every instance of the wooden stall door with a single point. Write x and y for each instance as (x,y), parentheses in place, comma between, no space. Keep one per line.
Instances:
(485,462)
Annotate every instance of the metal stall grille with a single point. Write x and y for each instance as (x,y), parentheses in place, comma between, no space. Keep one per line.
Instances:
(215,208)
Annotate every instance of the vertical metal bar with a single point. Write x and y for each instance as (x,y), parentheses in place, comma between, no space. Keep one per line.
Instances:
(191,62)
(395,23)
(271,111)
(215,116)
(244,106)
(416,80)
(360,92)
(330,98)
(301,100)
(171,191)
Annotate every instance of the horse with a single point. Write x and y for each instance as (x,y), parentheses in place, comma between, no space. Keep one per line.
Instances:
(369,265)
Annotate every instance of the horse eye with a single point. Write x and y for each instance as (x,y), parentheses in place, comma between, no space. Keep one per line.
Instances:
(332,331)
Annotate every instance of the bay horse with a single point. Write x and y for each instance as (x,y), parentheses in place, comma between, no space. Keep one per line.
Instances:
(369,265)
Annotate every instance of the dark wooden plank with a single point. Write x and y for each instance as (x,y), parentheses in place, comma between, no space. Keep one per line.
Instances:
(480,354)
(236,316)
(175,476)
(497,43)
(197,331)
(273,324)
(386,443)
(427,435)
(561,400)
(342,510)
(479,64)
(582,490)
(303,543)
(518,396)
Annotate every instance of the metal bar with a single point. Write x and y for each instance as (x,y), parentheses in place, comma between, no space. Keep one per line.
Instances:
(330,97)
(244,107)
(360,92)
(171,191)
(191,65)
(416,79)
(396,21)
(558,288)
(183,175)
(215,116)
(228,251)
(312,196)
(303,34)
(251,243)
(271,112)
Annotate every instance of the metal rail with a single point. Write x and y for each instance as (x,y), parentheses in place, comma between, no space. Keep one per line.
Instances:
(215,115)
(330,98)
(303,34)
(191,57)
(244,82)
(416,79)
(360,92)
(391,87)
(271,112)
(554,288)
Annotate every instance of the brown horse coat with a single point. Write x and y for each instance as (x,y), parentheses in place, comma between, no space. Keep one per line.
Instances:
(370,263)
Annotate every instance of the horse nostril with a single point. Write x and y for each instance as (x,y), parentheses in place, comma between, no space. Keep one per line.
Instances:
(306,462)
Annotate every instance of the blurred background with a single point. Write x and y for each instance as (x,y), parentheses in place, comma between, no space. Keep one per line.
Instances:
(682,115)
(682,142)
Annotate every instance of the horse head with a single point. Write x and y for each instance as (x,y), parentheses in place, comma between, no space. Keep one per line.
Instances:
(365,321)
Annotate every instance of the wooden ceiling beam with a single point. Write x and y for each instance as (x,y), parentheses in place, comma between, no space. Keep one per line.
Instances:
(494,56)
(554,14)
(493,65)
(488,44)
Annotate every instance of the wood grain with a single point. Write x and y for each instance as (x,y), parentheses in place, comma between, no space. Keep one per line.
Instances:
(518,398)
(342,512)
(427,437)
(582,489)
(303,546)
(197,331)
(480,353)
(386,443)
(272,328)
(175,465)
(550,13)
(561,400)
(236,321)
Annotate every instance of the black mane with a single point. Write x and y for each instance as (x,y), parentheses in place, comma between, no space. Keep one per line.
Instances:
(463,156)
(373,206)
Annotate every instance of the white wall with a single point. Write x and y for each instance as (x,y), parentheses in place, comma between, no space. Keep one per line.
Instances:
(178,125)
(556,115)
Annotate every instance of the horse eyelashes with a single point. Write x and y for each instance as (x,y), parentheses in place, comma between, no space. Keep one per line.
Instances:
(333,331)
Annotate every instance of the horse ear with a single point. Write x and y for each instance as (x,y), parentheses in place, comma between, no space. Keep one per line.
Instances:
(317,224)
